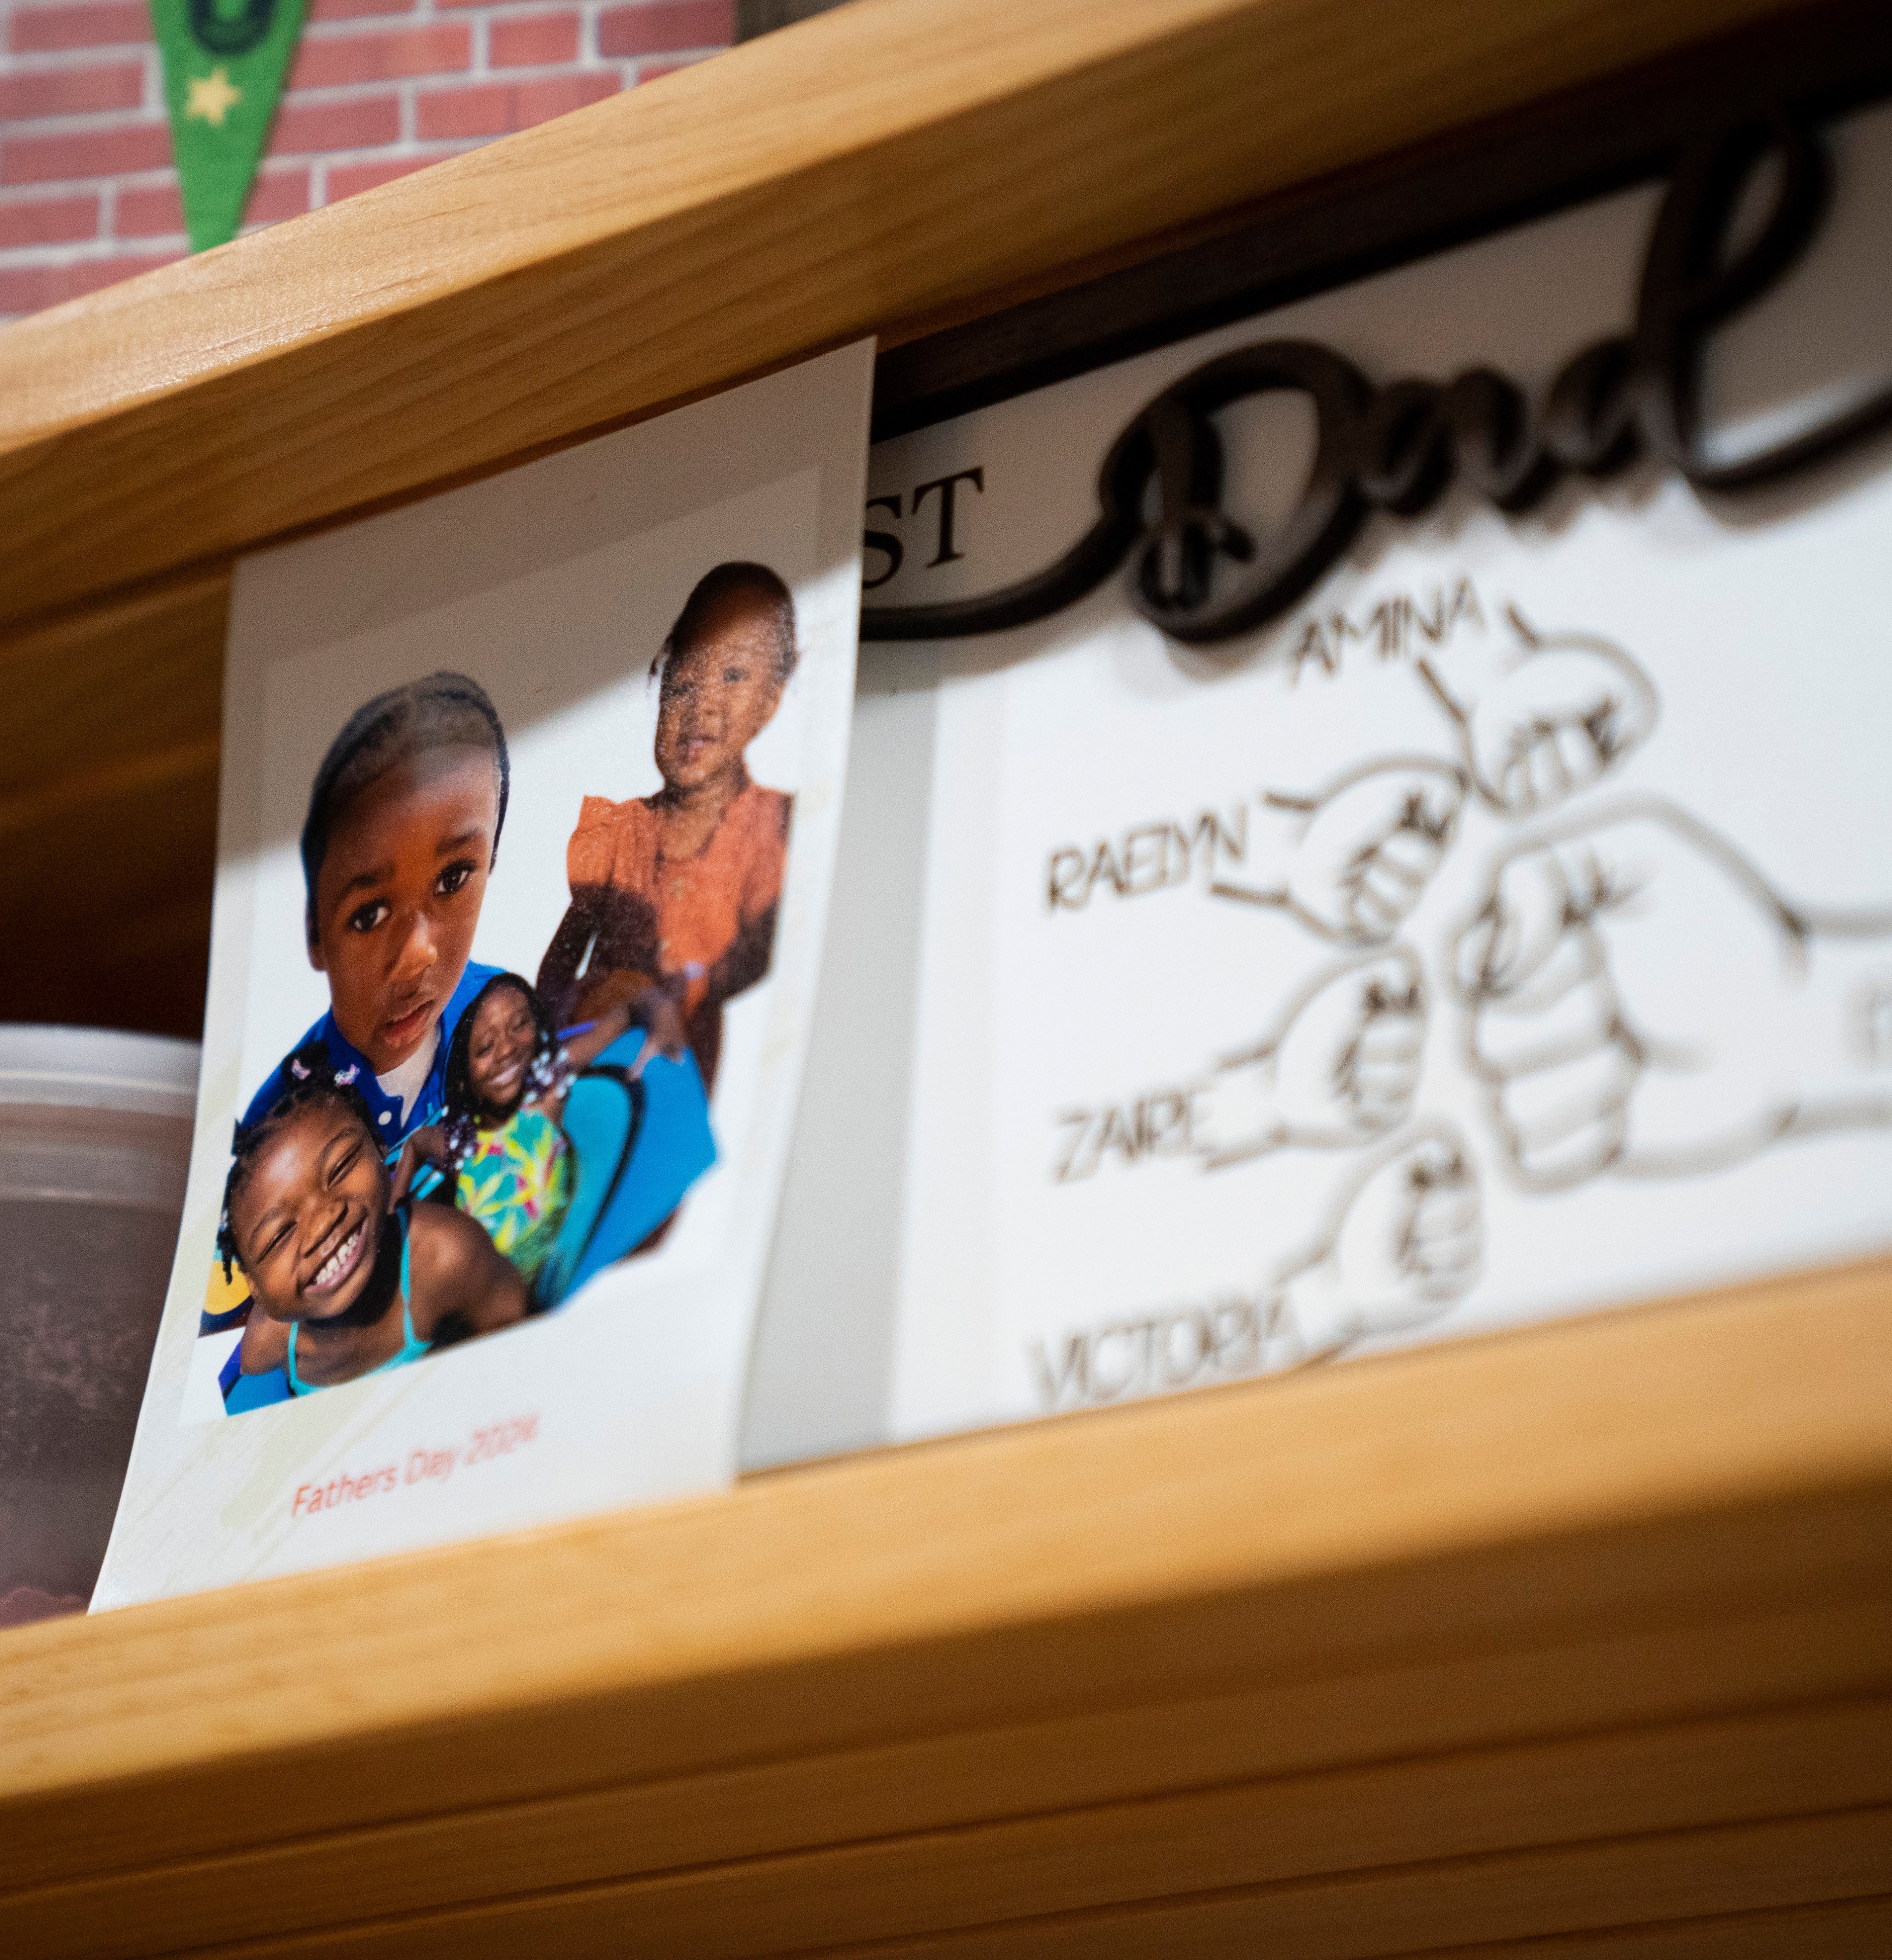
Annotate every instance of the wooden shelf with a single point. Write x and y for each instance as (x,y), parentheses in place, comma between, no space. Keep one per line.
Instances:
(1583,1634)
(1577,1629)
(896,167)
(883,169)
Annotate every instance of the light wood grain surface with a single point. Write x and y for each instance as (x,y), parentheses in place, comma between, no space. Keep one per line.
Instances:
(1610,1597)
(802,190)
(885,168)
(1583,1635)
(558,1866)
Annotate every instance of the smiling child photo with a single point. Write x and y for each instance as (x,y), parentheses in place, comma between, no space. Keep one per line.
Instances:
(565,1123)
(528,806)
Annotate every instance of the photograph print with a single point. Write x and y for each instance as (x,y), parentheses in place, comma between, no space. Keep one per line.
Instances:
(529,799)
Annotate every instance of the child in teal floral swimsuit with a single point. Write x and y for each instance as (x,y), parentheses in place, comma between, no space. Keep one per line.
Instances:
(501,1146)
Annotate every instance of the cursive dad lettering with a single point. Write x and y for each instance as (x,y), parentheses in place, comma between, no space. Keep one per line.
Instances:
(1395,447)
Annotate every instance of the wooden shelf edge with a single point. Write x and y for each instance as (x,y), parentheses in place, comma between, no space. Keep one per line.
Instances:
(1718,1457)
(1755,1812)
(792,194)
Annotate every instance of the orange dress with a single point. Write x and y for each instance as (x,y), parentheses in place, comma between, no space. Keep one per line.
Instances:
(703,925)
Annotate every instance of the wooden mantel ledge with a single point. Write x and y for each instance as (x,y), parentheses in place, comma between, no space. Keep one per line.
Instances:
(1677,1512)
(881,169)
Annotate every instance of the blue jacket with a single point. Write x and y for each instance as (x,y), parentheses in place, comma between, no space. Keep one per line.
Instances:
(396,1122)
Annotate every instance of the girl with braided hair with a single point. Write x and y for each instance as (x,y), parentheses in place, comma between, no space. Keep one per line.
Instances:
(344,1280)
(501,1148)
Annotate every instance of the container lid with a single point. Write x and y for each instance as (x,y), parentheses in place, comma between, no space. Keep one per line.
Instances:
(97,1068)
(94,1115)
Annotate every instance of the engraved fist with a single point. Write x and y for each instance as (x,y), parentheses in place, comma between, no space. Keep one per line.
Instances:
(1407,1240)
(1552,716)
(1341,1066)
(1635,987)
(1363,850)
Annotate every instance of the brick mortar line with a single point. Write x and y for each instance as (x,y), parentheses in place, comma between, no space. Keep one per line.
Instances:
(423,13)
(145,116)
(407,144)
(83,122)
(75,60)
(117,121)
(46,271)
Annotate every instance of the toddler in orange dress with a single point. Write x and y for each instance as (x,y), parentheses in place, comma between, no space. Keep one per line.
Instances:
(680,889)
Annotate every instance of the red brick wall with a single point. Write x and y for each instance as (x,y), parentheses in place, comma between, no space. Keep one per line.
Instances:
(379,87)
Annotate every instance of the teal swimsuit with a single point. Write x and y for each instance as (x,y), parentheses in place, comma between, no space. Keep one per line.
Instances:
(412,1348)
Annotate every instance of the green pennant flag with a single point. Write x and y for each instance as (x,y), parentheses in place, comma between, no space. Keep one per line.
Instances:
(224,63)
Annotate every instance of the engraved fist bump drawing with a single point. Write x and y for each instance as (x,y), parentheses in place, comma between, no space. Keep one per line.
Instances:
(1360,851)
(1552,717)
(1461,935)
(1341,1067)
(1338,1066)
(1537,718)
(1533,718)
(1403,1240)
(1595,1061)
(1594,1054)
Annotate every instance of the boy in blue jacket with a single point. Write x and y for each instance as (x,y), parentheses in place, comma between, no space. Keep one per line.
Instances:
(403,829)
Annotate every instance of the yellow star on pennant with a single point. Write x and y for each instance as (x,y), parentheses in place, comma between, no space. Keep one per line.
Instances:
(211,98)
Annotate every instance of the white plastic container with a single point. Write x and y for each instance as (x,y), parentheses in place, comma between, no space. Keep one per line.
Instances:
(94,1143)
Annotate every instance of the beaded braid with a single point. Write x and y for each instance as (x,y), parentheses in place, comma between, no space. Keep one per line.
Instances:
(311,1078)
(460,1128)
